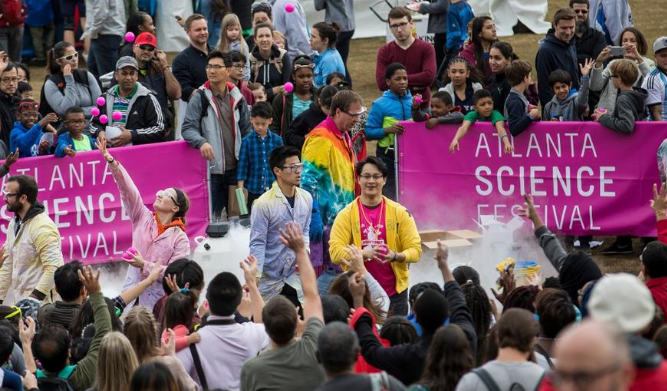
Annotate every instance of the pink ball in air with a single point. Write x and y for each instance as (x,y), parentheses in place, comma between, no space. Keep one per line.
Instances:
(95,111)
(101,101)
(117,115)
(418,99)
(129,36)
(289,87)
(104,119)
(289,7)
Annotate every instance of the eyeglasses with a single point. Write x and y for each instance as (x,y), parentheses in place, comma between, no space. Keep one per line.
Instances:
(355,115)
(215,67)
(17,311)
(147,47)
(398,25)
(240,67)
(164,193)
(613,76)
(367,177)
(69,57)
(8,80)
(6,194)
(28,106)
(76,121)
(294,168)
(582,379)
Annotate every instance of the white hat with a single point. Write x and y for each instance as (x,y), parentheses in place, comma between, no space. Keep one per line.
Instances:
(659,44)
(623,300)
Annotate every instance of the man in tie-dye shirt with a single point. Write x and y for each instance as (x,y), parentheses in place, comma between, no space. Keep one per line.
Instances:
(328,174)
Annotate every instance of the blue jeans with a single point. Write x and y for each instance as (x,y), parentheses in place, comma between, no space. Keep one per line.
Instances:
(103,54)
(326,279)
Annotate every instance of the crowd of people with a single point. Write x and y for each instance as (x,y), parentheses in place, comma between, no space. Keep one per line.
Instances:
(326,302)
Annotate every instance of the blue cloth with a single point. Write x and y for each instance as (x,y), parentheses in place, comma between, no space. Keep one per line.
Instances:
(299,106)
(316,224)
(11,381)
(214,24)
(40,13)
(65,139)
(253,166)
(326,63)
(458,16)
(26,140)
(388,105)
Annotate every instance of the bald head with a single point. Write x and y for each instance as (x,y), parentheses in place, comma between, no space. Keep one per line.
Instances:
(596,352)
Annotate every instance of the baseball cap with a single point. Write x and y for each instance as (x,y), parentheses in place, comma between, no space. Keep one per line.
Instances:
(127,61)
(146,39)
(659,44)
(623,300)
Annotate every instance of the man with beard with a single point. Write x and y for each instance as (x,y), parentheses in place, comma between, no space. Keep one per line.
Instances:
(9,82)
(32,251)
(190,64)
(589,41)
(141,120)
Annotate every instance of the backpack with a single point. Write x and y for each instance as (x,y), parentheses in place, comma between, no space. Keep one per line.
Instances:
(255,64)
(11,11)
(56,383)
(491,384)
(80,76)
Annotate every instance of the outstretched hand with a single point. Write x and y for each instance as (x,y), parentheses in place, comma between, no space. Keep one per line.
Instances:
(101,144)
(659,203)
(356,261)
(90,280)
(249,266)
(292,237)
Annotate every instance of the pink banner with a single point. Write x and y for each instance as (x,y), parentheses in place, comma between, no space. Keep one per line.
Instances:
(82,198)
(585,178)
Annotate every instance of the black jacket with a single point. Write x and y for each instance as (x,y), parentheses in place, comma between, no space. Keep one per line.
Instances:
(144,116)
(282,112)
(590,44)
(7,115)
(406,362)
(265,71)
(554,54)
(302,125)
(189,68)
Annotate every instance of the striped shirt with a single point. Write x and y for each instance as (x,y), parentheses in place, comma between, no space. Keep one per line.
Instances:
(654,84)
(121,104)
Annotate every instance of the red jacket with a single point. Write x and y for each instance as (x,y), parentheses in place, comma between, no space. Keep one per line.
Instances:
(645,380)
(13,13)
(246,92)
(662,230)
(658,288)
(362,366)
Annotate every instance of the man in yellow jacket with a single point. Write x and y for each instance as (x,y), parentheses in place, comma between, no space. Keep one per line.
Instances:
(33,250)
(383,229)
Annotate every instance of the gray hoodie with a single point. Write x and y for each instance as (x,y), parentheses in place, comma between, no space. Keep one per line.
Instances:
(601,81)
(572,109)
(630,107)
(105,17)
(293,25)
(339,11)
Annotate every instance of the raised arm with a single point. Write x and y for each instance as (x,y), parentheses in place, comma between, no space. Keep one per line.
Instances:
(249,266)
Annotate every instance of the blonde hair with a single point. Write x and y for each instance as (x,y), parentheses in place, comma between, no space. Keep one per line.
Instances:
(119,362)
(228,21)
(278,34)
(141,332)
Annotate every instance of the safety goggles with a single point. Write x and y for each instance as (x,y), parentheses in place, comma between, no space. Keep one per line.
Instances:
(28,106)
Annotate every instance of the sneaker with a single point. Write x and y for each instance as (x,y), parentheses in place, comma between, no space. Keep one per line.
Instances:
(616,249)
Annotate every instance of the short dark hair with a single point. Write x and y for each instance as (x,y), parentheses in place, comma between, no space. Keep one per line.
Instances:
(377,162)
(573,2)
(399,13)
(73,110)
(333,75)
(280,319)
(24,87)
(431,310)
(192,18)
(398,330)
(393,68)
(186,272)
(280,155)
(556,311)
(559,76)
(464,273)
(27,186)
(521,297)
(67,281)
(335,308)
(481,94)
(444,97)
(226,57)
(325,95)
(564,14)
(516,329)
(6,347)
(261,110)
(10,67)
(261,7)
(51,346)
(417,290)
(337,347)
(237,56)
(343,99)
(654,259)
(224,294)
(179,309)
(516,71)
(24,67)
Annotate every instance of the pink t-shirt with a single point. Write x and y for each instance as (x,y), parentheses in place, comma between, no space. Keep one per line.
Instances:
(373,234)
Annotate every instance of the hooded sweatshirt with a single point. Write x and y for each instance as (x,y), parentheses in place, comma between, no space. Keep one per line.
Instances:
(651,368)
(630,107)
(386,111)
(570,109)
(26,140)
(555,54)
(270,72)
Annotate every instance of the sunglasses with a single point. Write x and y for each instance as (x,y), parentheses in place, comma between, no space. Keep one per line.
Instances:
(147,47)
(69,57)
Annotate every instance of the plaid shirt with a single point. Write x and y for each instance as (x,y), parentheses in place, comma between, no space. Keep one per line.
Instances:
(254,167)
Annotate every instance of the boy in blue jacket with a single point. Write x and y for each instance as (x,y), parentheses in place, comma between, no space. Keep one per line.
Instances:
(74,140)
(518,112)
(27,134)
(393,106)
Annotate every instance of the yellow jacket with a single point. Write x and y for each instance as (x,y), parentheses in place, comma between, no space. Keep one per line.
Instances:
(402,237)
